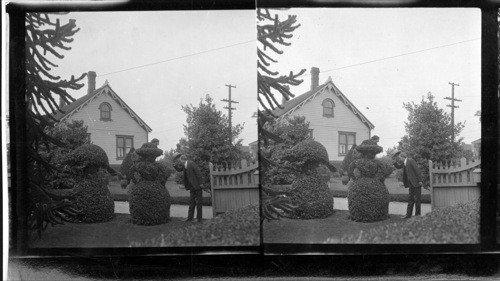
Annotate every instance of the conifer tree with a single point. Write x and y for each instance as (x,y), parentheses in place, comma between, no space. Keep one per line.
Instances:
(45,40)
(272,34)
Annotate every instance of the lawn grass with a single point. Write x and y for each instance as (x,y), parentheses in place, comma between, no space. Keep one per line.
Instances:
(317,231)
(119,232)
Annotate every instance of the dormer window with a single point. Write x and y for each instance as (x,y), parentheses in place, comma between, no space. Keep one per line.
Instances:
(105,109)
(328,106)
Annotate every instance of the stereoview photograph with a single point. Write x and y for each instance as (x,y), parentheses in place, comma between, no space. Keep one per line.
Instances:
(141,131)
(370,128)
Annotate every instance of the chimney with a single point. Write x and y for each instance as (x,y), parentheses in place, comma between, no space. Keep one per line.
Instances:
(91,84)
(314,77)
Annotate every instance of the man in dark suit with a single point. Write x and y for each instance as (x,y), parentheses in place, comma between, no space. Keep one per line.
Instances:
(412,180)
(192,181)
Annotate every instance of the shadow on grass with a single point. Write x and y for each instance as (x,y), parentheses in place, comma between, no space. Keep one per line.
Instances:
(118,232)
(317,231)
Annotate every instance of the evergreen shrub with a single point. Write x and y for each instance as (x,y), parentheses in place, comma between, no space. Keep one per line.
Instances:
(313,198)
(93,197)
(149,203)
(368,197)
(87,159)
(307,155)
(368,200)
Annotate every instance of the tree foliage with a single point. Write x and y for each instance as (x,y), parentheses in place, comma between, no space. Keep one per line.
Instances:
(272,33)
(291,131)
(208,137)
(428,134)
(45,40)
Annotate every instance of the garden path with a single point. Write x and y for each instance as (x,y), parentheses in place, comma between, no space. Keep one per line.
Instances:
(395,208)
(176,211)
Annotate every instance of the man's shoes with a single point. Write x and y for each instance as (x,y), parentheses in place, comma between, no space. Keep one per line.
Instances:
(188,220)
(405,217)
(200,220)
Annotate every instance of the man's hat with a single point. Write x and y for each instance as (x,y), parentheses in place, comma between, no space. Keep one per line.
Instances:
(396,154)
(177,155)
(155,140)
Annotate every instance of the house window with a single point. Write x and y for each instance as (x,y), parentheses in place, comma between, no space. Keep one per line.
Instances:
(328,106)
(123,146)
(346,141)
(105,109)
(311,133)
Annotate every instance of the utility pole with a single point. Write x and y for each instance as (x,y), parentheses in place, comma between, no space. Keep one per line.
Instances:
(230,108)
(453,106)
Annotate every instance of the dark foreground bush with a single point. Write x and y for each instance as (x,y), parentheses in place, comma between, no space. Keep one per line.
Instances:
(94,199)
(149,203)
(313,198)
(239,227)
(368,200)
(457,224)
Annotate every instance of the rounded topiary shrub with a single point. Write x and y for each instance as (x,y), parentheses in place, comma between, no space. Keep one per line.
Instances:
(94,199)
(313,198)
(87,159)
(307,155)
(149,203)
(368,200)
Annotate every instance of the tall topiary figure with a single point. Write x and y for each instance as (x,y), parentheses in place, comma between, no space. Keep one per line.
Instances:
(90,164)
(310,190)
(149,199)
(368,197)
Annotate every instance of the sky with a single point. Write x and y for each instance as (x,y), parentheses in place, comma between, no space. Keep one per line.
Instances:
(159,61)
(365,51)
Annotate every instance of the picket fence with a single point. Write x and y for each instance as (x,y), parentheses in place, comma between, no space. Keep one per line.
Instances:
(453,182)
(235,186)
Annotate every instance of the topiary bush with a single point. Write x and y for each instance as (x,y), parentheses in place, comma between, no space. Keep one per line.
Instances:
(313,198)
(93,197)
(310,190)
(368,197)
(368,200)
(149,200)
(149,203)
(306,156)
(90,166)
(87,159)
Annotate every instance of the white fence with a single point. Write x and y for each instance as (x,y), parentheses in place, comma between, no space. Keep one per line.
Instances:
(454,182)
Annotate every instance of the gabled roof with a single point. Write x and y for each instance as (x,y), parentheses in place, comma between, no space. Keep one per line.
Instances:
(292,105)
(72,108)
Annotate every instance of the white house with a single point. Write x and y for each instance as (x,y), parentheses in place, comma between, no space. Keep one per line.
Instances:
(334,121)
(112,124)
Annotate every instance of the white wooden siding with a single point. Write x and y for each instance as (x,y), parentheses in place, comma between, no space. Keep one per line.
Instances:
(326,130)
(103,133)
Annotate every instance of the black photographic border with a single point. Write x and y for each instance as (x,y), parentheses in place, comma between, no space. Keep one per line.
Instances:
(489,134)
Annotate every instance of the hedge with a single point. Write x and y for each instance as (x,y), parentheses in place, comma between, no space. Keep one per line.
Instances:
(458,224)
